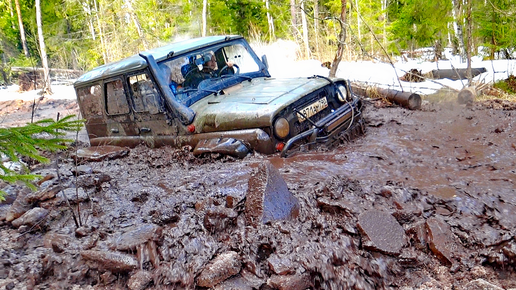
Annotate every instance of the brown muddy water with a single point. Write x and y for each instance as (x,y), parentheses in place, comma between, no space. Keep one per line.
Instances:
(424,200)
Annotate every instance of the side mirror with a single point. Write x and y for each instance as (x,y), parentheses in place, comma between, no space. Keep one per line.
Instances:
(265,62)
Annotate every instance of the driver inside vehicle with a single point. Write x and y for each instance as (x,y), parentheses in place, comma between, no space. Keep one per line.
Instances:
(210,69)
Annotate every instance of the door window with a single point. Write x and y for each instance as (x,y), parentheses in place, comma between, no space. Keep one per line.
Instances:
(90,98)
(116,100)
(145,95)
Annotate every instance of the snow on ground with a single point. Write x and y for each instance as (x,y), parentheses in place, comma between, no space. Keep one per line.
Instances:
(11,93)
(282,63)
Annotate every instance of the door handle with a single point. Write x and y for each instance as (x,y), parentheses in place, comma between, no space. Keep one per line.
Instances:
(145,130)
(114,130)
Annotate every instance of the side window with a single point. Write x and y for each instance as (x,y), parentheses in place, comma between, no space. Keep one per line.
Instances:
(91,100)
(145,95)
(116,101)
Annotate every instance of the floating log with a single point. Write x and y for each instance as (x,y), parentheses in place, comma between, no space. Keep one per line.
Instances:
(407,100)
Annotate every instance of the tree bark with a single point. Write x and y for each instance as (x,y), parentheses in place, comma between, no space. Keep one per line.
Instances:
(204,12)
(87,9)
(13,26)
(305,30)
(22,30)
(358,19)
(342,40)
(293,16)
(469,47)
(316,27)
(457,26)
(272,33)
(105,57)
(42,50)
(137,24)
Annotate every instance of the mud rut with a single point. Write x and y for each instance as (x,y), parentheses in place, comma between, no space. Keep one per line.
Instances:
(163,219)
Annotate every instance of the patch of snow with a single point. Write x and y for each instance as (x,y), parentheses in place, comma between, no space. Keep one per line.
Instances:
(11,93)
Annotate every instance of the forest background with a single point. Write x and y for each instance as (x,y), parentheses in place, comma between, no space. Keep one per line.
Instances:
(83,34)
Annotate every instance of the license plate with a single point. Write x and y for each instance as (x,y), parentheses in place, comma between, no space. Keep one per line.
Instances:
(312,109)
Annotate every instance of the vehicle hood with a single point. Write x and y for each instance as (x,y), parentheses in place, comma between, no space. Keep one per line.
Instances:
(251,104)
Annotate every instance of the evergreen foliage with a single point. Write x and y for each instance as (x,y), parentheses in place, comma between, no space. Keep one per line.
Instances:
(420,23)
(496,26)
(29,140)
(83,34)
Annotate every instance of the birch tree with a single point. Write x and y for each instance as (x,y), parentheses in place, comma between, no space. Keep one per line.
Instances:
(305,29)
(469,26)
(204,12)
(457,27)
(136,21)
(22,30)
(293,17)
(42,50)
(272,33)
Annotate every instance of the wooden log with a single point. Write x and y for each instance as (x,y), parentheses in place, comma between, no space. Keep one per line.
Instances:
(467,96)
(456,74)
(39,69)
(407,100)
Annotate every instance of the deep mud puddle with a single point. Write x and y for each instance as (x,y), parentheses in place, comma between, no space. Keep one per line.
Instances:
(424,200)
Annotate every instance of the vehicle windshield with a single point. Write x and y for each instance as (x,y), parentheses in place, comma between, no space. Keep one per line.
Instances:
(197,74)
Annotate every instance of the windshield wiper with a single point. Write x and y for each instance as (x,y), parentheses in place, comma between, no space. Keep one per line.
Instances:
(245,77)
(230,76)
(184,91)
(211,91)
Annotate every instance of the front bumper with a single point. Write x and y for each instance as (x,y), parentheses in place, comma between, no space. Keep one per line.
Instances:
(326,130)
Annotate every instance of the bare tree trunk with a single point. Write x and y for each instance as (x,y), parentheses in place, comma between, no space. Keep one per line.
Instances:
(204,12)
(358,20)
(137,24)
(13,26)
(305,30)
(293,16)
(42,50)
(494,45)
(469,47)
(342,40)
(316,27)
(87,9)
(105,57)
(384,8)
(22,31)
(457,26)
(272,33)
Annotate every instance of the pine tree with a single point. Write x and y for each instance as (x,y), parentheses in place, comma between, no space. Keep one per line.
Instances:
(29,141)
(420,23)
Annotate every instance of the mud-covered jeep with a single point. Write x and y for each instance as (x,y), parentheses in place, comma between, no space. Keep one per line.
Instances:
(216,95)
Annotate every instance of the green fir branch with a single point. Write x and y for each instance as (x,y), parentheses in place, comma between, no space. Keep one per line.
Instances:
(29,141)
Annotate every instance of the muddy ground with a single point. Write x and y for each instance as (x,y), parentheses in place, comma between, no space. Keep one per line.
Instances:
(424,200)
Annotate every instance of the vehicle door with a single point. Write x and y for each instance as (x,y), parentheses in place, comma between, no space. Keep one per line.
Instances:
(90,98)
(119,116)
(149,113)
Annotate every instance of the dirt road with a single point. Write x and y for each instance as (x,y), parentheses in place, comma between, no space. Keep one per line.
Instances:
(425,200)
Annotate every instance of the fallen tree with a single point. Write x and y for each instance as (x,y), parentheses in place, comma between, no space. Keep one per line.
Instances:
(407,100)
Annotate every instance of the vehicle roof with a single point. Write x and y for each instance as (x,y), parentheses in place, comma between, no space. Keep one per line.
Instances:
(136,62)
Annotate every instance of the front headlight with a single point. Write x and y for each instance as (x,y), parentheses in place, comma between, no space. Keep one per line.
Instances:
(281,128)
(342,93)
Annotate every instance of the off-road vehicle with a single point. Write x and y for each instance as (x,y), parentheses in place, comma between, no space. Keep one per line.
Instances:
(215,95)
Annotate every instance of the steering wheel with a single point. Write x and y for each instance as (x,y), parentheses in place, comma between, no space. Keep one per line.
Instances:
(226,67)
